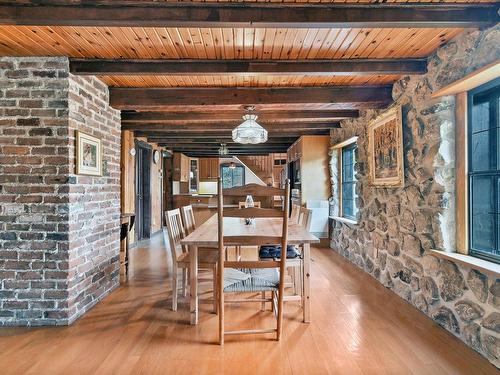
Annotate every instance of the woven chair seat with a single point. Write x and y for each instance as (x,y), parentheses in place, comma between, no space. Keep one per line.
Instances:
(251,279)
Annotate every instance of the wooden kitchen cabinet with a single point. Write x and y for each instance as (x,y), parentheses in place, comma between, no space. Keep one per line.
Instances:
(312,151)
(181,167)
(209,169)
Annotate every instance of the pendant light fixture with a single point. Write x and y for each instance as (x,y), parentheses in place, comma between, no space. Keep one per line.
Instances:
(249,131)
(223,150)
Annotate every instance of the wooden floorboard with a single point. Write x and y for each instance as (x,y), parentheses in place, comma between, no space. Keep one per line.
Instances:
(358,327)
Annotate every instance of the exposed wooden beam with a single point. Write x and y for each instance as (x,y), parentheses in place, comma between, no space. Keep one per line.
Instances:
(136,98)
(173,143)
(212,141)
(196,154)
(231,149)
(343,67)
(229,126)
(161,117)
(224,133)
(234,151)
(164,14)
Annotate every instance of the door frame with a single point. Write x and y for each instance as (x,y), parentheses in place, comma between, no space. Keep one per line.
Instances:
(143,181)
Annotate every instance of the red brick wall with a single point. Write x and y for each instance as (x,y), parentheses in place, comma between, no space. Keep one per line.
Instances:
(94,215)
(58,231)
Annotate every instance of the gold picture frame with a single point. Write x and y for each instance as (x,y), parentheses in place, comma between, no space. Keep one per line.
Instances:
(385,149)
(88,154)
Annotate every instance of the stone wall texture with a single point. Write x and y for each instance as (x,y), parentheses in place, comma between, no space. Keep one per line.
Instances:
(46,254)
(397,227)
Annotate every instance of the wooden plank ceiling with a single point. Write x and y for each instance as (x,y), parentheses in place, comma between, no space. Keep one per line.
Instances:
(195,102)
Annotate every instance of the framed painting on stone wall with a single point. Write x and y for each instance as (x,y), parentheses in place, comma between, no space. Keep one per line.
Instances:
(385,145)
(88,154)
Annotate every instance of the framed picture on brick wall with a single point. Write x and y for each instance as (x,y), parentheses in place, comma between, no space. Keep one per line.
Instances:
(88,154)
(385,145)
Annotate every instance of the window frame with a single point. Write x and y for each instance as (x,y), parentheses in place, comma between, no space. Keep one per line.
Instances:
(470,174)
(338,148)
(354,146)
(226,165)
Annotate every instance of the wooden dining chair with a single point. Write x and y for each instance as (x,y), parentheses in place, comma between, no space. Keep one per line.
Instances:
(294,216)
(237,249)
(180,257)
(252,276)
(294,262)
(188,218)
(190,225)
(296,265)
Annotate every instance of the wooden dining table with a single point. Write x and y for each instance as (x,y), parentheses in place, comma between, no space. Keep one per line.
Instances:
(206,236)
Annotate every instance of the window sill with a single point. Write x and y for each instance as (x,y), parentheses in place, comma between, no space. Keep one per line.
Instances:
(344,220)
(470,261)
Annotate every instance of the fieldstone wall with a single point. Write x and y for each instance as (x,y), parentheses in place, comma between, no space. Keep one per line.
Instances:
(41,259)
(397,227)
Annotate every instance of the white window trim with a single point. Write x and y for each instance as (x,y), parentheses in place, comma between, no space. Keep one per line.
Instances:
(470,261)
(338,148)
(347,142)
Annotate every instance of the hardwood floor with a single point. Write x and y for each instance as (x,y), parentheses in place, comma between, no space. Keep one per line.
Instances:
(358,327)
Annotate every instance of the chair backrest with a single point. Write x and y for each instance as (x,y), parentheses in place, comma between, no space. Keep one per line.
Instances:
(253,212)
(175,233)
(305,217)
(188,219)
(242,205)
(294,217)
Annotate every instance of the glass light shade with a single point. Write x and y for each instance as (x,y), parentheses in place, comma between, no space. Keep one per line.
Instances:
(249,202)
(249,132)
(223,150)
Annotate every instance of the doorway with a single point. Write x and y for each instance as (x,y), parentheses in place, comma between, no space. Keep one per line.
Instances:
(143,189)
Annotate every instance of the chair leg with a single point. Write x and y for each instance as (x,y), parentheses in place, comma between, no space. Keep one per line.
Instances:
(174,290)
(300,280)
(293,276)
(263,304)
(214,285)
(184,281)
(221,304)
(279,323)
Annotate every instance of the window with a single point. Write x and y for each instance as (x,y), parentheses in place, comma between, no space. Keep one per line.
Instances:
(484,171)
(232,176)
(348,186)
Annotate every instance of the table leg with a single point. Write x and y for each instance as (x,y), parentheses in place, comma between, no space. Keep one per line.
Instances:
(193,284)
(306,301)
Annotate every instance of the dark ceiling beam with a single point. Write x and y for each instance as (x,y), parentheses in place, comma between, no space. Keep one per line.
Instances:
(160,117)
(137,98)
(229,126)
(177,142)
(208,141)
(162,14)
(225,133)
(200,138)
(254,148)
(195,154)
(343,67)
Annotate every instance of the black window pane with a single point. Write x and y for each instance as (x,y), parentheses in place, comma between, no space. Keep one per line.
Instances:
(480,150)
(481,116)
(483,214)
(348,182)
(484,171)
(232,177)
